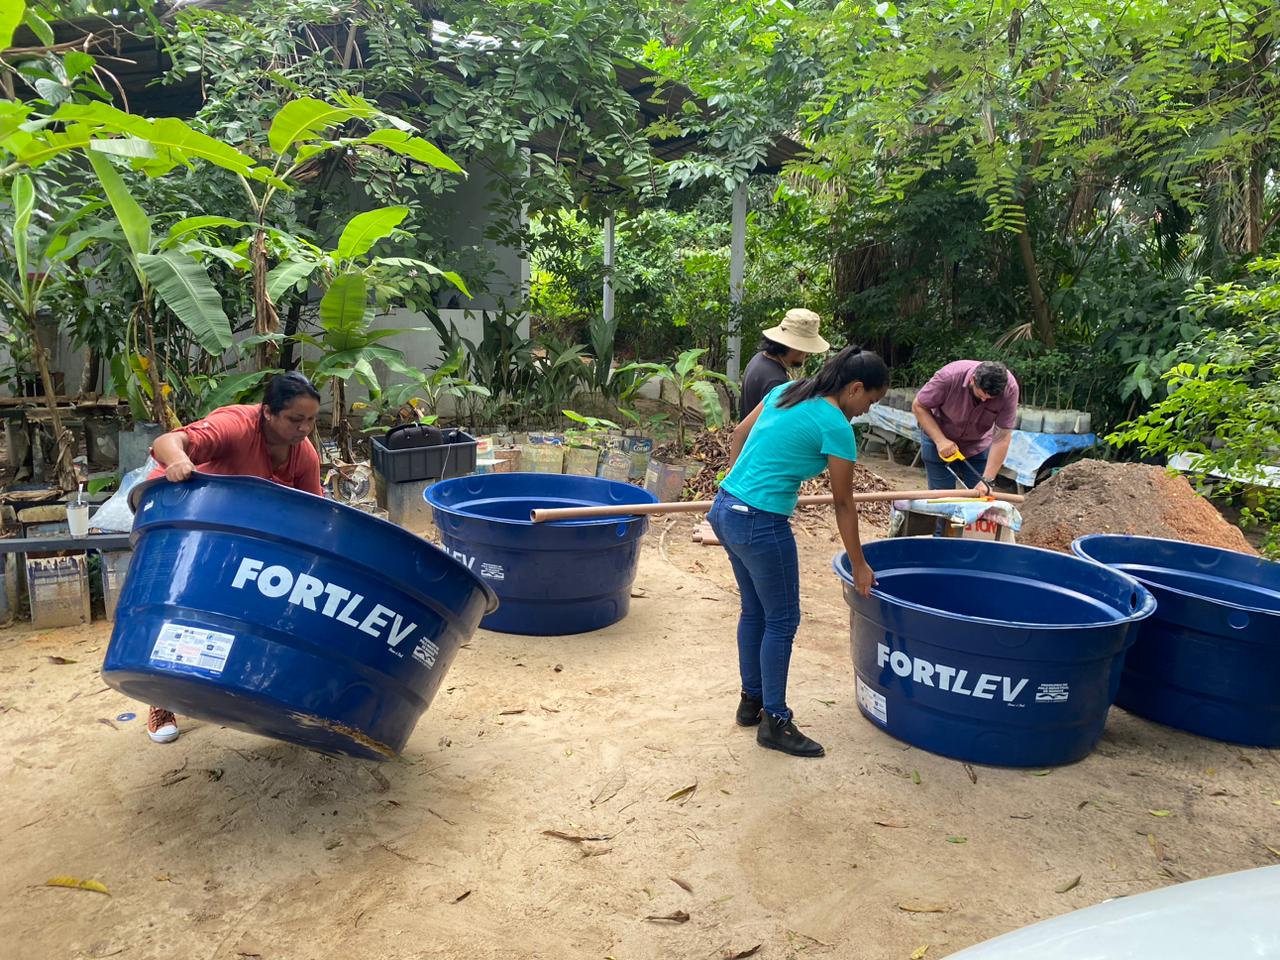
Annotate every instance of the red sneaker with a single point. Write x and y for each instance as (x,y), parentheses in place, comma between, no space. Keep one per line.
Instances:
(162,725)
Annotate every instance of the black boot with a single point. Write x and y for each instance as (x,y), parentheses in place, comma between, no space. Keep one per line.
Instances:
(749,711)
(785,736)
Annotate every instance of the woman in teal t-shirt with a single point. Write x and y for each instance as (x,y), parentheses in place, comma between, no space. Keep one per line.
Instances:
(798,430)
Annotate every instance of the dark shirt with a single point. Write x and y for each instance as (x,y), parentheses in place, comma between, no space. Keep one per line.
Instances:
(763,373)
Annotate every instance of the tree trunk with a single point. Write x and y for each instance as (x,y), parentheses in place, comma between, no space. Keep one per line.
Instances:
(266,320)
(66,468)
(292,320)
(159,408)
(1256,175)
(1039,305)
(341,428)
(89,373)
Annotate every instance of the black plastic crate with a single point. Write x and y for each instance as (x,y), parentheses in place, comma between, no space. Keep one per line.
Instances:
(456,457)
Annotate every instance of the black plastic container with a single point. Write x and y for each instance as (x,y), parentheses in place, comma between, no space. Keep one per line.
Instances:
(456,457)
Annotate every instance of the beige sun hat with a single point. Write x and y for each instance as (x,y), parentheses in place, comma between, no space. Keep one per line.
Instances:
(799,331)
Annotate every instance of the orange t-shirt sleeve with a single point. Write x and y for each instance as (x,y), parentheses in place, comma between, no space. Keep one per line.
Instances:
(220,435)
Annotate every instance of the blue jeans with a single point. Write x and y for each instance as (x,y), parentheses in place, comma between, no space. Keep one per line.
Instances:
(762,552)
(940,478)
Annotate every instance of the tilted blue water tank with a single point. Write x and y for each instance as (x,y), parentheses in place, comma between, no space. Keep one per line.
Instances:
(562,577)
(260,607)
(990,652)
(1209,660)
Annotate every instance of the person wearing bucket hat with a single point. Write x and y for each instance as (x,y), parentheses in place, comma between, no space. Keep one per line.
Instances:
(267,440)
(799,430)
(782,348)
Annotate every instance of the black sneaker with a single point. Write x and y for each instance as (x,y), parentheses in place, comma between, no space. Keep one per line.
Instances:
(784,735)
(749,711)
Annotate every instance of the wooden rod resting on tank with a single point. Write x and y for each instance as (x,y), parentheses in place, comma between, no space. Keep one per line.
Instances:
(546,514)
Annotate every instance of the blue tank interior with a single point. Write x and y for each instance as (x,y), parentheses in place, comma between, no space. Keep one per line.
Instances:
(963,593)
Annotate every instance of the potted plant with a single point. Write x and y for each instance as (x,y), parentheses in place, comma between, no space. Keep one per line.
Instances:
(585,444)
(685,377)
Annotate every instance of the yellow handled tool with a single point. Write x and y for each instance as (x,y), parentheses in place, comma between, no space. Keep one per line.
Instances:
(947,461)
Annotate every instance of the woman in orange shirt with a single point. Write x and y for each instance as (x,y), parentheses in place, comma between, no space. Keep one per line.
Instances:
(266,440)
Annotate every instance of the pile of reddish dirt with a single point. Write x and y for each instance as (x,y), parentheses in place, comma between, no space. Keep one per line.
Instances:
(1093,496)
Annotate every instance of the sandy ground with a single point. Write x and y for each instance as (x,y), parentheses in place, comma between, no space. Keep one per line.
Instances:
(224,845)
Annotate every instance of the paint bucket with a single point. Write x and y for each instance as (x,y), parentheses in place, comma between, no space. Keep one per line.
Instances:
(568,576)
(615,465)
(1060,421)
(665,480)
(990,652)
(542,458)
(259,607)
(581,461)
(1208,661)
(640,449)
(1031,420)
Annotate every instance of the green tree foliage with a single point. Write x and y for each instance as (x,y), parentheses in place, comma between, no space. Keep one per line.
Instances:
(1223,407)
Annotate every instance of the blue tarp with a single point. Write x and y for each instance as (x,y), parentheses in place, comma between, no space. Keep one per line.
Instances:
(1028,451)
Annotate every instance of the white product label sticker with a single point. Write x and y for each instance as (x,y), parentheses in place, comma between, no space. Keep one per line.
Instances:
(194,649)
(870,701)
(1053,693)
(493,571)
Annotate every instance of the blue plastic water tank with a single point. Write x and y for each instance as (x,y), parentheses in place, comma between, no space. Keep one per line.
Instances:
(281,613)
(562,577)
(990,652)
(1209,660)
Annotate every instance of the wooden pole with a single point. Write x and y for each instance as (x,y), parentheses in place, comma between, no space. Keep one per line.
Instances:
(547,514)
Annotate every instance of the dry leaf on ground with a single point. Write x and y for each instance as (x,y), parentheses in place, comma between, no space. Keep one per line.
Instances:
(75,883)
(609,789)
(1156,847)
(684,793)
(679,916)
(577,838)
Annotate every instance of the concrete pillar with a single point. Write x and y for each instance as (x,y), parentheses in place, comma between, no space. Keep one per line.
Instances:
(737,271)
(608,269)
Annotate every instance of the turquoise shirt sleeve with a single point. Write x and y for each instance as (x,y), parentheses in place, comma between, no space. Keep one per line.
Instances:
(837,437)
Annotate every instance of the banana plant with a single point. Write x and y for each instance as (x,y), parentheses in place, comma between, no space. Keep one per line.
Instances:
(299,132)
(419,398)
(686,375)
(40,259)
(171,276)
(347,345)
